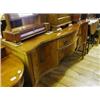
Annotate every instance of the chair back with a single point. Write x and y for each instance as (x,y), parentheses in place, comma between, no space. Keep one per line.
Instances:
(83,32)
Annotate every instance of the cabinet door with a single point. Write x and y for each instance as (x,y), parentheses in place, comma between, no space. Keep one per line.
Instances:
(45,58)
(47,54)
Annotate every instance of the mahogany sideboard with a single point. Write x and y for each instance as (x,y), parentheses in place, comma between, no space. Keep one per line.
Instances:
(43,53)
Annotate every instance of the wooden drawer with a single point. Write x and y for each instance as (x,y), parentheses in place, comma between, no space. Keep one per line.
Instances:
(66,41)
(66,45)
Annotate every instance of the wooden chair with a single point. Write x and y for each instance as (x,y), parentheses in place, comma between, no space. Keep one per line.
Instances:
(82,44)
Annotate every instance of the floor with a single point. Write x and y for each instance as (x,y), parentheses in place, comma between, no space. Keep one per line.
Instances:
(75,72)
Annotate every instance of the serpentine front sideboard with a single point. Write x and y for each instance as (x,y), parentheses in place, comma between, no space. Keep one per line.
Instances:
(43,53)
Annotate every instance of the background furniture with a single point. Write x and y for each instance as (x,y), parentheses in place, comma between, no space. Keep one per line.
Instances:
(82,44)
(93,23)
(12,70)
(58,20)
(21,28)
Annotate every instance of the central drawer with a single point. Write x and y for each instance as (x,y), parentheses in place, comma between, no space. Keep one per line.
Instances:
(66,45)
(66,41)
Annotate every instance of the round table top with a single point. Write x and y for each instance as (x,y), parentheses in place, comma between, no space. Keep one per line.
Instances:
(12,70)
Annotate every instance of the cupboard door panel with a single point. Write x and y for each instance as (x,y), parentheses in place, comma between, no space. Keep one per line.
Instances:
(44,58)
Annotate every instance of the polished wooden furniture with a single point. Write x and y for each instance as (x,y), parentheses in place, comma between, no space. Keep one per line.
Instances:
(41,54)
(11,72)
(21,28)
(58,20)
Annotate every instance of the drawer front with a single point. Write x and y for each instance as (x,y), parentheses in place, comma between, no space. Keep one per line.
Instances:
(66,41)
(66,45)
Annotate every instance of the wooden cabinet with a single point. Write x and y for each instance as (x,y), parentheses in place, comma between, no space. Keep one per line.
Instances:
(41,54)
(58,20)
